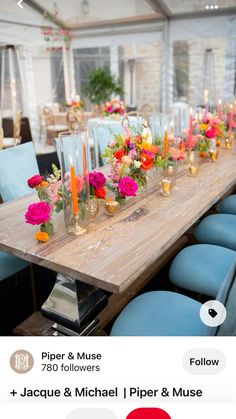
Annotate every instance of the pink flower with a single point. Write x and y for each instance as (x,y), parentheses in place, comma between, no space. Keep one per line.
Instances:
(34,181)
(38,213)
(211,132)
(97,180)
(112,144)
(79,180)
(127,186)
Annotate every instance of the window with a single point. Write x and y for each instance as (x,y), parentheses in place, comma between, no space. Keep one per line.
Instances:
(85,60)
(57,74)
(181,71)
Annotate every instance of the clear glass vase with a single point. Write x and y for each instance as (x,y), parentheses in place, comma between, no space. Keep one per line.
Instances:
(75,179)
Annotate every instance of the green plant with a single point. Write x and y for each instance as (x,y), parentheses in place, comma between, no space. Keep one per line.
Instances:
(101,85)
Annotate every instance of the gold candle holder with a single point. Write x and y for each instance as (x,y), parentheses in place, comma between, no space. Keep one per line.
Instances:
(166,186)
(228,143)
(213,154)
(193,170)
(112,208)
(94,207)
(169,170)
(75,228)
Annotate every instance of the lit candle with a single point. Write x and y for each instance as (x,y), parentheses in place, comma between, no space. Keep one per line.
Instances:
(74,195)
(231,118)
(205,93)
(83,160)
(165,142)
(219,110)
(190,125)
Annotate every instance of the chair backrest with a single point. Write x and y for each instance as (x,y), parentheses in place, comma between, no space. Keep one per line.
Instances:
(17,125)
(227,296)
(146,108)
(17,164)
(75,117)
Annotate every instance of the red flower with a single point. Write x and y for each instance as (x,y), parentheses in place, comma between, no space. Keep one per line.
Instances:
(100,193)
(34,181)
(119,154)
(211,132)
(147,161)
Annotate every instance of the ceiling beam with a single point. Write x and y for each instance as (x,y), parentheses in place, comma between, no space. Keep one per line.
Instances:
(160,6)
(39,9)
(117,22)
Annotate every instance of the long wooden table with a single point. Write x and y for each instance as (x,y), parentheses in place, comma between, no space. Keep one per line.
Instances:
(117,251)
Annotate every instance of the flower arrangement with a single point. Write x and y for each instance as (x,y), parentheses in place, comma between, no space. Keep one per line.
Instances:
(75,102)
(130,157)
(114,107)
(97,183)
(49,191)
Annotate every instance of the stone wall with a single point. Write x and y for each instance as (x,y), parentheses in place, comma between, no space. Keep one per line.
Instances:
(147,74)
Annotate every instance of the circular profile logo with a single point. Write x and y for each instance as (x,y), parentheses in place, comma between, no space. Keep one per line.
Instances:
(21,361)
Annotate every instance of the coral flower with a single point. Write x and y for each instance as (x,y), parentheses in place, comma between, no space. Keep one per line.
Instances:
(100,193)
(79,180)
(147,161)
(119,154)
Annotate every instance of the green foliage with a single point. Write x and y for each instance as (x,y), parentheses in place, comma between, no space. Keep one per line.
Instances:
(101,85)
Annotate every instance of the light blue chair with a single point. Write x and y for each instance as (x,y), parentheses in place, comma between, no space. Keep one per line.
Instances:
(17,164)
(163,313)
(219,229)
(203,268)
(160,313)
(228,205)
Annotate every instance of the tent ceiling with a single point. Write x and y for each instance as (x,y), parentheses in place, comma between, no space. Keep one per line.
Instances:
(82,14)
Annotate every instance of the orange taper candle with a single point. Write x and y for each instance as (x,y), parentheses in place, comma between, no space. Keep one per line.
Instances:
(74,196)
(83,160)
(165,144)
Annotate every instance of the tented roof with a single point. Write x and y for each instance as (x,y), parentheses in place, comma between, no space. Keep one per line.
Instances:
(74,14)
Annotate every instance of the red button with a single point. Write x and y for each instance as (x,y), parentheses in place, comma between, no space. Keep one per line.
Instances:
(148,413)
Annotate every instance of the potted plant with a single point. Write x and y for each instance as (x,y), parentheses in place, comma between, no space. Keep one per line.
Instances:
(101,85)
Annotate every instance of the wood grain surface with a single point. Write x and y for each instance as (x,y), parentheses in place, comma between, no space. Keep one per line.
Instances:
(117,251)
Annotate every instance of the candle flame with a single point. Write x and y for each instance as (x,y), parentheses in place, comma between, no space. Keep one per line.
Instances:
(191,111)
(71,161)
(219,101)
(231,106)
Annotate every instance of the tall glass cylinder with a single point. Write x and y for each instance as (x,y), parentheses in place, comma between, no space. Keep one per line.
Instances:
(75,175)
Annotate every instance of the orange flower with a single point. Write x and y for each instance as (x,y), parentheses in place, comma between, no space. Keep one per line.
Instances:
(147,161)
(43,184)
(119,154)
(41,236)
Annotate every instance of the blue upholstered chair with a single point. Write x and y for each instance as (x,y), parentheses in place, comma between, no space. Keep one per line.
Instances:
(160,313)
(219,229)
(163,313)
(17,164)
(203,268)
(228,205)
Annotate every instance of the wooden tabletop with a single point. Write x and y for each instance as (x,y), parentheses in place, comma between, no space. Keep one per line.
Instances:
(116,251)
